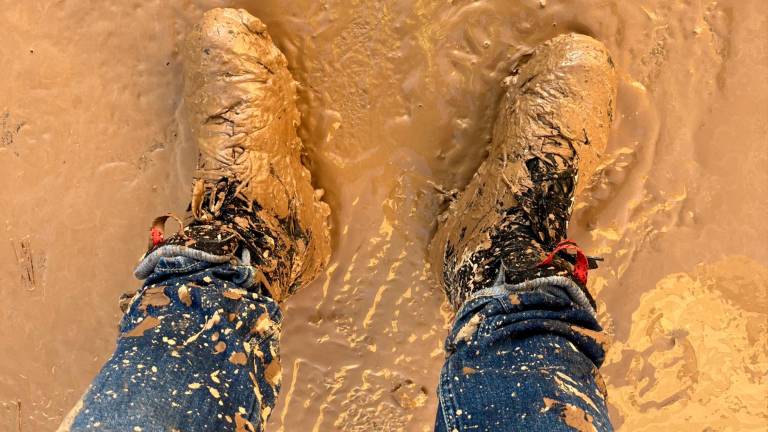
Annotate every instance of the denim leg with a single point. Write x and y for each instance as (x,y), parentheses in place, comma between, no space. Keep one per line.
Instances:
(523,360)
(196,352)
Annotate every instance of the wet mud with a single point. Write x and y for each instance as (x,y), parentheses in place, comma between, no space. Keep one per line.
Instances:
(395,97)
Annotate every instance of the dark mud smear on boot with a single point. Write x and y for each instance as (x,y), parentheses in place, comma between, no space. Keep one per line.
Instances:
(395,97)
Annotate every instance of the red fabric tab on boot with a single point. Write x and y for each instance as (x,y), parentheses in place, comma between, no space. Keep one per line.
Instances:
(157,231)
(156,234)
(581,269)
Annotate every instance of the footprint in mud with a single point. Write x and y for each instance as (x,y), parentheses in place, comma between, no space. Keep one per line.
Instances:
(713,319)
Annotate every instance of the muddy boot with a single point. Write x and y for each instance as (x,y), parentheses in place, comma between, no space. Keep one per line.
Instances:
(252,197)
(510,223)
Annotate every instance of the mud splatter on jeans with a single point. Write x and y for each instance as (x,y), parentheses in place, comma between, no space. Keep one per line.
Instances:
(524,358)
(197,351)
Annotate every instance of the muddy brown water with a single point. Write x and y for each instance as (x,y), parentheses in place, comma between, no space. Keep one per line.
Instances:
(395,95)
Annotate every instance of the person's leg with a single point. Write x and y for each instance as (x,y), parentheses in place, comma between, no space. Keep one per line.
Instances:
(525,347)
(523,359)
(198,348)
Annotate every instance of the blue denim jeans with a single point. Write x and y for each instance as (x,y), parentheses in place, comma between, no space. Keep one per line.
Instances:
(524,358)
(199,351)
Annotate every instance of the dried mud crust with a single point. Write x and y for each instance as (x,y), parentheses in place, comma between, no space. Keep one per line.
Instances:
(552,126)
(240,101)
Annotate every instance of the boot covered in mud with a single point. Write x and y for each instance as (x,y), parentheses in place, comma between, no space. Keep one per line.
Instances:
(509,225)
(251,192)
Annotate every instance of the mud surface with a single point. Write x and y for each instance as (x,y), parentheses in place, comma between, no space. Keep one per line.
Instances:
(394,95)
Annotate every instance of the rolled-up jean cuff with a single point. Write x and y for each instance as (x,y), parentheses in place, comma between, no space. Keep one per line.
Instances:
(148,263)
(573,291)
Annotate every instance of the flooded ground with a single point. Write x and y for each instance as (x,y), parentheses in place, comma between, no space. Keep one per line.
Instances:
(396,96)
